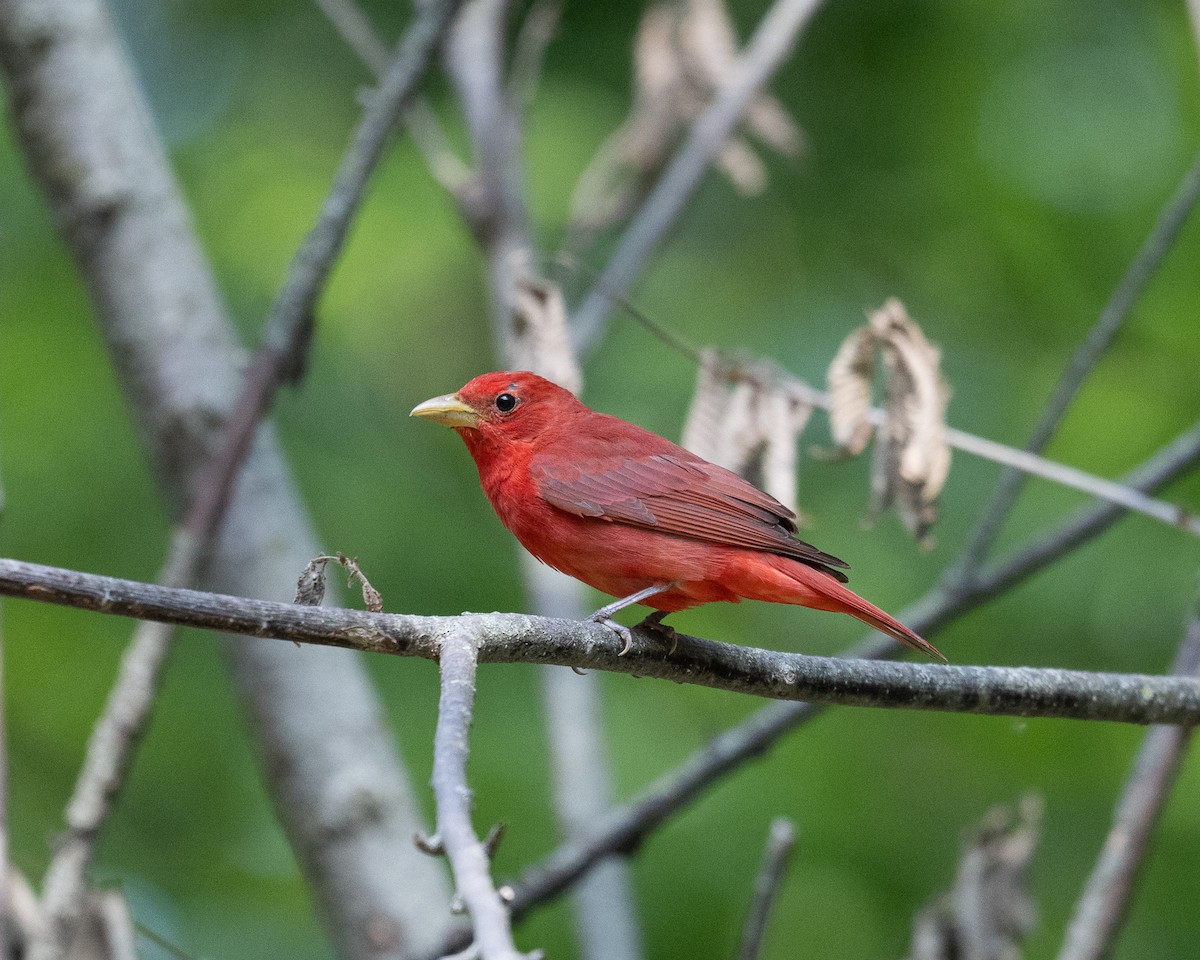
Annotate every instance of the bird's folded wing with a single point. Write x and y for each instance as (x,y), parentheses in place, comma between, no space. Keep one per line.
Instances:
(688,498)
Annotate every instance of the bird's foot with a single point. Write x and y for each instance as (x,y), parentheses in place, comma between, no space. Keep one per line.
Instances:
(654,624)
(622,631)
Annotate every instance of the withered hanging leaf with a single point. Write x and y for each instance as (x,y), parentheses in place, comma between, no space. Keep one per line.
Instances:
(767,119)
(739,435)
(782,418)
(849,378)
(912,454)
(989,912)
(541,342)
(709,44)
(702,428)
(738,161)
(751,429)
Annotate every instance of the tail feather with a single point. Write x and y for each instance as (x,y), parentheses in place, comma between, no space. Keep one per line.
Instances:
(781,580)
(871,615)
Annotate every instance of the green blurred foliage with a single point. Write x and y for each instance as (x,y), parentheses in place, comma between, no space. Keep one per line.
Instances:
(994,165)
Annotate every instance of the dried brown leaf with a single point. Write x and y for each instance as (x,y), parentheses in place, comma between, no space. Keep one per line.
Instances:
(782,418)
(913,455)
(707,41)
(738,161)
(739,436)
(310,586)
(702,428)
(769,121)
(657,69)
(849,379)
(989,912)
(541,342)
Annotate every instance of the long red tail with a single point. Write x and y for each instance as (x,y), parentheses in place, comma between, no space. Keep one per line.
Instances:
(782,580)
(871,615)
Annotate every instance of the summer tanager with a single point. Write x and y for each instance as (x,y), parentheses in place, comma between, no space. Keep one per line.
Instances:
(634,515)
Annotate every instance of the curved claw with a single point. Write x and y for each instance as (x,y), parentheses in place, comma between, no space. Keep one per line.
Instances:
(619,629)
(653,622)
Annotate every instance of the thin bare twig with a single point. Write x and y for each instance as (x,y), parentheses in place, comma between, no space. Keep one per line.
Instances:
(355,27)
(310,267)
(1104,903)
(457,658)
(768,48)
(1175,459)
(778,851)
(1137,275)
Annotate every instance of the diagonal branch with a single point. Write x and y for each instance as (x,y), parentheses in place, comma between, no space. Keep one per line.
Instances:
(1138,274)
(320,248)
(1101,910)
(777,852)
(767,50)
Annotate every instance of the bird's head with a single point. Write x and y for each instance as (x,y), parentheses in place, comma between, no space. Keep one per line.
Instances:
(502,406)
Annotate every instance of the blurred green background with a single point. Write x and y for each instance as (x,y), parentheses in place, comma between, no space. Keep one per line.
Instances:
(995,165)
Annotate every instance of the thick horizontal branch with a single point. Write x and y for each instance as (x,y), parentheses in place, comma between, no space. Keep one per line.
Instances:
(516,638)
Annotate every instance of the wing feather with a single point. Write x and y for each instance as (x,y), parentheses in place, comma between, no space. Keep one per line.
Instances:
(678,493)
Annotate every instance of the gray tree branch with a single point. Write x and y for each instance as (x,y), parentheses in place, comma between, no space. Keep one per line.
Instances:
(518,638)
(776,853)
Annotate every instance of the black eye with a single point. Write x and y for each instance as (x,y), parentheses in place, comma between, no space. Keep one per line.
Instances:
(506,403)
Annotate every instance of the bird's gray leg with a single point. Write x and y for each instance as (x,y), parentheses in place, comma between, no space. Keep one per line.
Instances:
(604,614)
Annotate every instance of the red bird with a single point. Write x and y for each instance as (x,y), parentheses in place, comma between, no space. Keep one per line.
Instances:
(634,515)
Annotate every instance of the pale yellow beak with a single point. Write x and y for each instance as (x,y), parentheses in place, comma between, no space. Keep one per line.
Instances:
(449,411)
